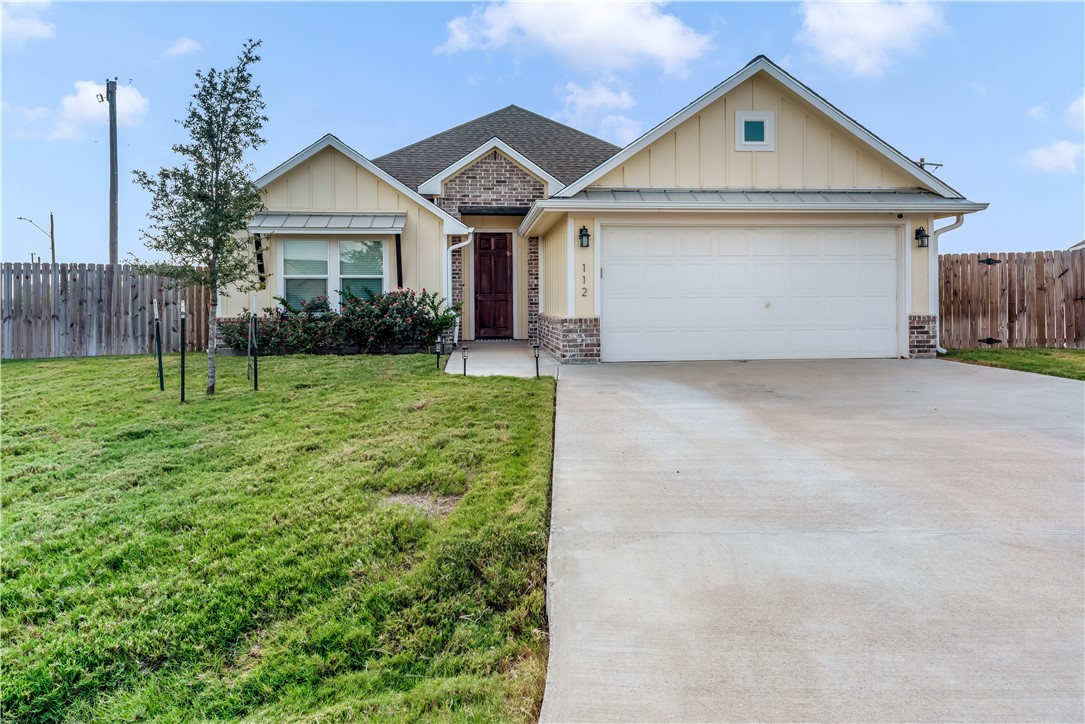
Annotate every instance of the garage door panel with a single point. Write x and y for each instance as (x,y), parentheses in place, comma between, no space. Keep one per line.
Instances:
(739,293)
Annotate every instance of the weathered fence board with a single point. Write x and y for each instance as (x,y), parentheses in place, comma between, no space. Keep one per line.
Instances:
(88,310)
(1033,299)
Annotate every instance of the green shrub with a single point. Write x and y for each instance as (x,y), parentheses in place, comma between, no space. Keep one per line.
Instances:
(379,324)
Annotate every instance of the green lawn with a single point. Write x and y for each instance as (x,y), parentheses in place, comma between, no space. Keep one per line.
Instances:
(1057,362)
(273,556)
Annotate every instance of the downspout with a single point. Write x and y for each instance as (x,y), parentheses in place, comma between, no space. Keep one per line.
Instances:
(934,285)
(448,276)
(399,262)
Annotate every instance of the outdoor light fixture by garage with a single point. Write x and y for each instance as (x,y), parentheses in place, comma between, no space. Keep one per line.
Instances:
(585,237)
(922,237)
(464,352)
(535,348)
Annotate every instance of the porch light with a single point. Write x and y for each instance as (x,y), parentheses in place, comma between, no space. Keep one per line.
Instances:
(463,351)
(585,237)
(922,237)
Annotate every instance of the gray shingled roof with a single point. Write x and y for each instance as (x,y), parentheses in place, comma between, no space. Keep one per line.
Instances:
(563,152)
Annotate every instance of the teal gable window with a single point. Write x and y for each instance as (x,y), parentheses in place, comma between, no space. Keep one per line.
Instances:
(753,132)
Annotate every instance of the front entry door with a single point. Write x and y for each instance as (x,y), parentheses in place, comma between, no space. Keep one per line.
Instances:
(493,285)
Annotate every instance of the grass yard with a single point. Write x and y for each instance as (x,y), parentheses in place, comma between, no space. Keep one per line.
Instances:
(300,553)
(1056,362)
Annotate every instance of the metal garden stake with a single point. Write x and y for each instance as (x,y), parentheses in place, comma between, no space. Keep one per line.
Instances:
(158,346)
(182,351)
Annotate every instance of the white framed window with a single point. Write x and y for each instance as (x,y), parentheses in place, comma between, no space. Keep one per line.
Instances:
(318,267)
(755,131)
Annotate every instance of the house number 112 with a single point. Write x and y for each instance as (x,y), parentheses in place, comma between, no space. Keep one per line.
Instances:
(584,280)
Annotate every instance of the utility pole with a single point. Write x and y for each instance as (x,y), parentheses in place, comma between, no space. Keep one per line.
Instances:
(111,97)
(52,242)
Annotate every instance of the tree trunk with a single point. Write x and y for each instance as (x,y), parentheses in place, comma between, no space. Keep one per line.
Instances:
(212,339)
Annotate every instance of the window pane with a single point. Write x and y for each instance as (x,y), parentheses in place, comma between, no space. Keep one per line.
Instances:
(754,131)
(295,291)
(358,287)
(364,258)
(305,257)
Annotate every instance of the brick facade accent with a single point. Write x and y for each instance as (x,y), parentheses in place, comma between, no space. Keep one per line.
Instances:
(492,181)
(533,289)
(570,339)
(922,335)
(457,276)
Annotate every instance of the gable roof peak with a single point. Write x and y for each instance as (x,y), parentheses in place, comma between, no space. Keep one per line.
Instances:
(763,64)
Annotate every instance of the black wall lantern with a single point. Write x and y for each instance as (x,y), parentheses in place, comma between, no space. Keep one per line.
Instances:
(585,237)
(922,237)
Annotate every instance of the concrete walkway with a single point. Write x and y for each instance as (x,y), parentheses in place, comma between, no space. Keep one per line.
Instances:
(811,541)
(512,358)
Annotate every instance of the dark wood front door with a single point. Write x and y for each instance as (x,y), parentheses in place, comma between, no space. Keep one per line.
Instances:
(493,285)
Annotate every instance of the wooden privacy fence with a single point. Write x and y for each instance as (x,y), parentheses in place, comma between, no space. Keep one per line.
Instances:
(91,310)
(1029,299)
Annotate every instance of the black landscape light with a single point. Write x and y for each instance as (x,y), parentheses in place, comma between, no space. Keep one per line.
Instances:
(922,237)
(535,349)
(463,351)
(585,237)
(437,351)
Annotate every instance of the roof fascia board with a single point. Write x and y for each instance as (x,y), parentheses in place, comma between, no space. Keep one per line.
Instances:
(450,224)
(961,205)
(435,184)
(761,64)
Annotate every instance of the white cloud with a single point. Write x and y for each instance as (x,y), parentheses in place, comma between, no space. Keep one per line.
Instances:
(581,101)
(1075,113)
(593,35)
(1037,113)
(864,36)
(22,21)
(586,107)
(82,109)
(183,46)
(27,114)
(1059,157)
(619,130)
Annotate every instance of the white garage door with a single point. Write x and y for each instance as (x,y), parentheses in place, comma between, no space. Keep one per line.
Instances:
(710,293)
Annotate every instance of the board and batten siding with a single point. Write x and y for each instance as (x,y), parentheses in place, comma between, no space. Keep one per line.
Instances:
(811,151)
(584,272)
(555,271)
(330,181)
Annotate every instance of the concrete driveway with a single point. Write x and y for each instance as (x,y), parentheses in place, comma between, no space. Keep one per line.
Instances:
(794,541)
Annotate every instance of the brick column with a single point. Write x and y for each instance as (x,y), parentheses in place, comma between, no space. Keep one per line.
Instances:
(922,335)
(570,339)
(533,289)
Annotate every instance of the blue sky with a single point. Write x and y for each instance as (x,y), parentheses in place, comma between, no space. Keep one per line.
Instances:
(991,90)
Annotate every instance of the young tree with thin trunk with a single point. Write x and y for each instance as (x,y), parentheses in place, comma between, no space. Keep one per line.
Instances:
(200,210)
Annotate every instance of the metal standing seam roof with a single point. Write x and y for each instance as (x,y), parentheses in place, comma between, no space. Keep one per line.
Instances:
(377,223)
(769,199)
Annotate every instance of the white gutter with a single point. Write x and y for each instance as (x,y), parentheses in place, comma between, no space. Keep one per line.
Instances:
(448,272)
(932,276)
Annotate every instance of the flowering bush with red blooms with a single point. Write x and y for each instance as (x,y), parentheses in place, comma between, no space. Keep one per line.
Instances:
(313,327)
(391,321)
(379,324)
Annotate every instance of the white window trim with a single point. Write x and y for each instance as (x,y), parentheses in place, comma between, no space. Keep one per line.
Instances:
(333,276)
(769,118)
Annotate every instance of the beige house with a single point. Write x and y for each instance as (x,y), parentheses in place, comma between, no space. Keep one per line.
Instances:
(758,222)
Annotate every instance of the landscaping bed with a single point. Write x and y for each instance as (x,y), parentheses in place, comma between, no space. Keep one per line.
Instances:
(363,538)
(1056,362)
